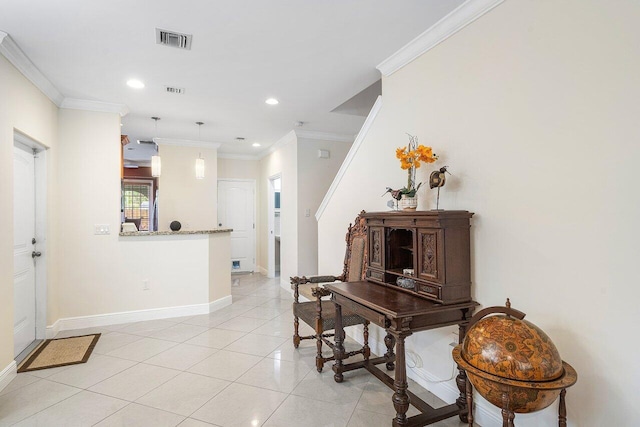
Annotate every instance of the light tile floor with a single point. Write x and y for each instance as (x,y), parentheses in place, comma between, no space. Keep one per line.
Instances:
(234,367)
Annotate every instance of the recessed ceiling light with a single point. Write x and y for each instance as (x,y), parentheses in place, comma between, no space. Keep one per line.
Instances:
(272,101)
(134,83)
(256,144)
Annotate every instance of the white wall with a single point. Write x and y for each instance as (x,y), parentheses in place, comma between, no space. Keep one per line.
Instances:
(314,178)
(103,274)
(238,169)
(534,108)
(282,161)
(182,197)
(26,109)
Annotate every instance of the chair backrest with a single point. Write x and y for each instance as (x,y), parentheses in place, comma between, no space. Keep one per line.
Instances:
(355,258)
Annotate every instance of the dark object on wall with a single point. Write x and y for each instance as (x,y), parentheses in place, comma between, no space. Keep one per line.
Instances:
(513,364)
(175,226)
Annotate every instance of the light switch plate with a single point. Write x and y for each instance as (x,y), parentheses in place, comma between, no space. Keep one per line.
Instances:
(101,229)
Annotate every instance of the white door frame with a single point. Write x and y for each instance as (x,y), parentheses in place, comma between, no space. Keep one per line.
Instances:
(271,240)
(40,227)
(255,207)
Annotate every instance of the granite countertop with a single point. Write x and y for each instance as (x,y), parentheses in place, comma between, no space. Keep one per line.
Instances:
(174,233)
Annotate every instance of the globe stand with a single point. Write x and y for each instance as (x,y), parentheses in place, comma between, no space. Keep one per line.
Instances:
(500,391)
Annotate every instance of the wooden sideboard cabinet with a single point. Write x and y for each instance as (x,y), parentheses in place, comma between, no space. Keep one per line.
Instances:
(425,253)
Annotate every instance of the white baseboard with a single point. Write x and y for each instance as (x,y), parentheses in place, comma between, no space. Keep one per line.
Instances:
(484,414)
(8,374)
(52,330)
(262,270)
(82,322)
(220,303)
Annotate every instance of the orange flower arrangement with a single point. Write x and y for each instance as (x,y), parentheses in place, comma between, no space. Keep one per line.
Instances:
(411,157)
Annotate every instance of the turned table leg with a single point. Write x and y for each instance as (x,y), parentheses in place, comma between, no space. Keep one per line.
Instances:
(400,397)
(338,350)
(390,342)
(562,410)
(462,381)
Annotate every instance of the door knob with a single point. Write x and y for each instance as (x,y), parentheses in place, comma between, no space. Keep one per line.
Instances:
(35,254)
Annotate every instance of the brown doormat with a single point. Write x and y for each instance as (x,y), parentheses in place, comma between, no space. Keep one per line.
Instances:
(60,352)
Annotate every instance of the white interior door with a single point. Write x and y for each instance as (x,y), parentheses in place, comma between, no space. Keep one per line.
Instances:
(236,210)
(24,282)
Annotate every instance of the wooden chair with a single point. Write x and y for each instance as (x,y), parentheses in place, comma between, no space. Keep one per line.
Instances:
(319,313)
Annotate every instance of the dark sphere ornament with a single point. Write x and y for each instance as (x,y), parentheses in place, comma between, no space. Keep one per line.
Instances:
(175,226)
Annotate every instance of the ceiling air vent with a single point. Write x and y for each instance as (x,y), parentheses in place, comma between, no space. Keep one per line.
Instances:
(173,39)
(176,90)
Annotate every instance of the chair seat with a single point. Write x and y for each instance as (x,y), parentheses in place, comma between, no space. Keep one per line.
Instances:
(307,312)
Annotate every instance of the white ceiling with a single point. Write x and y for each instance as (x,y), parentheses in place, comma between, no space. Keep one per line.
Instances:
(312,55)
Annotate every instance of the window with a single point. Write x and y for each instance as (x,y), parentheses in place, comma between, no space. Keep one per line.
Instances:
(138,203)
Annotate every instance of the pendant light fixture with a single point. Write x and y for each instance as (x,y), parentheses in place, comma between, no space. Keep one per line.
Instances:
(199,160)
(156,164)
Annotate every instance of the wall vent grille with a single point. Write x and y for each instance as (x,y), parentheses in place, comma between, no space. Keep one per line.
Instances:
(176,90)
(173,39)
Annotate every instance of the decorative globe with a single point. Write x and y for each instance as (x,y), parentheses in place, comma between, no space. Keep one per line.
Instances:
(513,364)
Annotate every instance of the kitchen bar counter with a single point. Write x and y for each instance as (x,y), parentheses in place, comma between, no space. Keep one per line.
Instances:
(173,233)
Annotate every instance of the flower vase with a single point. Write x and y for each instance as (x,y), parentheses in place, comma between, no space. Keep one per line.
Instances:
(407,203)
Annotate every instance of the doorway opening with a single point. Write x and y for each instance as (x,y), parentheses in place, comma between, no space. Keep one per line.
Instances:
(273,208)
(30,243)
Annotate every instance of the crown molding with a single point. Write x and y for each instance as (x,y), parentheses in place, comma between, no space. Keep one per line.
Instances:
(289,137)
(16,56)
(450,24)
(99,106)
(325,136)
(350,156)
(187,143)
(232,156)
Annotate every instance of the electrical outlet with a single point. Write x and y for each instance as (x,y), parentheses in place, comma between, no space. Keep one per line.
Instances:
(145,285)
(101,229)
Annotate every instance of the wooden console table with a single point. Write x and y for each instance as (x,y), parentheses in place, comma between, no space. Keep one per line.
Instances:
(401,314)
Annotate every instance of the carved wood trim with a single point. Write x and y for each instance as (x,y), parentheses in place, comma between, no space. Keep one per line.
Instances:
(356,230)
(376,246)
(429,243)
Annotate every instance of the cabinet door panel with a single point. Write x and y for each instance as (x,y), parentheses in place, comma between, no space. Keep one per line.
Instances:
(376,247)
(431,255)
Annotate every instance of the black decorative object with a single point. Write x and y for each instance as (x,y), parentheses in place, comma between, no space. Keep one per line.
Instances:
(175,226)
